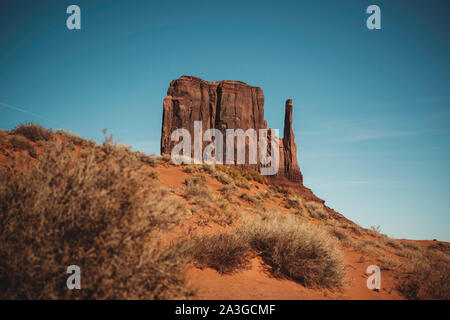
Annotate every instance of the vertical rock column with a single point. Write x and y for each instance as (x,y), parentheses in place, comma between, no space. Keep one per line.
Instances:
(291,168)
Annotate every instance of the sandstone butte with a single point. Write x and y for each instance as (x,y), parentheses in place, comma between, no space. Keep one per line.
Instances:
(225,105)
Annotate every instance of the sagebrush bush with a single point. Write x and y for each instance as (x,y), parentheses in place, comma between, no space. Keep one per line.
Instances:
(243,183)
(295,202)
(340,235)
(393,243)
(20,143)
(316,210)
(296,249)
(429,277)
(286,191)
(253,199)
(224,252)
(150,160)
(76,139)
(93,212)
(354,228)
(228,191)
(195,187)
(411,246)
(33,132)
(222,177)
(239,173)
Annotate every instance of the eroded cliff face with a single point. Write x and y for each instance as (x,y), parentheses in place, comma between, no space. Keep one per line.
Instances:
(225,105)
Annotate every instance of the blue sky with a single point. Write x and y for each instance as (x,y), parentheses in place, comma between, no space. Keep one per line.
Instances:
(371,108)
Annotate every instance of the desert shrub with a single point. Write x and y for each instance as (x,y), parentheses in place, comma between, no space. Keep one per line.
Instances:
(316,210)
(388,263)
(429,277)
(439,246)
(241,173)
(195,187)
(166,158)
(76,139)
(221,202)
(243,183)
(189,169)
(208,168)
(214,211)
(228,190)
(255,176)
(20,143)
(152,161)
(224,252)
(393,243)
(411,246)
(253,199)
(286,191)
(153,174)
(368,246)
(354,228)
(340,235)
(67,210)
(222,177)
(33,132)
(119,150)
(296,249)
(295,202)
(369,242)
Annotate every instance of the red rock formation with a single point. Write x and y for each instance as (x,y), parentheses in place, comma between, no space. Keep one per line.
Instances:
(222,105)
(228,105)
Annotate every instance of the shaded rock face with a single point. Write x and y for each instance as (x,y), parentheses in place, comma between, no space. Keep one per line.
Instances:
(224,105)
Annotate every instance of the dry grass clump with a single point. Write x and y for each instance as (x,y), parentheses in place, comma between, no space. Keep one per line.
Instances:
(195,187)
(20,143)
(255,176)
(429,278)
(33,132)
(190,169)
(225,252)
(153,174)
(243,183)
(388,263)
(392,243)
(152,161)
(296,203)
(166,158)
(316,210)
(101,216)
(354,228)
(240,173)
(222,177)
(342,236)
(255,199)
(374,231)
(411,246)
(285,191)
(228,191)
(439,246)
(290,246)
(216,207)
(226,174)
(296,249)
(76,139)
(368,246)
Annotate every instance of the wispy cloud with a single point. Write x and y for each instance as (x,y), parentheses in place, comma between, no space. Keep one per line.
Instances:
(356,131)
(9,106)
(321,185)
(378,135)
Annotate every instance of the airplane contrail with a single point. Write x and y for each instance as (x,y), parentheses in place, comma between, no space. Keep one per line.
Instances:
(29,113)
